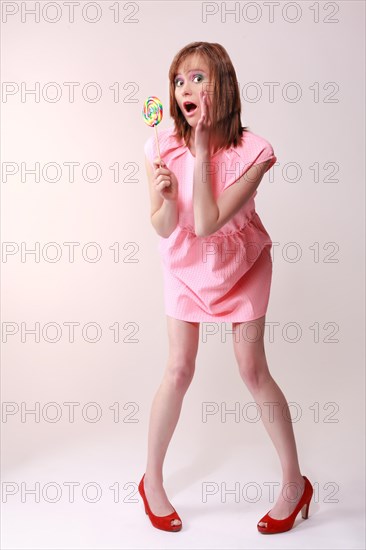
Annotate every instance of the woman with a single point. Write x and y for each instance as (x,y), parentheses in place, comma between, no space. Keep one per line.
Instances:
(216,263)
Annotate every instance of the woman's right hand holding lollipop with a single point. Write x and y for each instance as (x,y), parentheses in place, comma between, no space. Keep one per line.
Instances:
(165,181)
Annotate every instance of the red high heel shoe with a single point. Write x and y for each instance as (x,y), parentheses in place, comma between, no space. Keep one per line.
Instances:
(281,525)
(160,522)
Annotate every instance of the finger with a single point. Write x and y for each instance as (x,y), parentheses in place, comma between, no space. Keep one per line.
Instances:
(159,161)
(207,111)
(162,178)
(163,184)
(162,172)
(203,103)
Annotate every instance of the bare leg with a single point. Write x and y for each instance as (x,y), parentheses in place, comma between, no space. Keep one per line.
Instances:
(250,355)
(166,407)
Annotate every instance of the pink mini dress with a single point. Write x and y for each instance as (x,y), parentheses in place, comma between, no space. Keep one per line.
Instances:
(227,275)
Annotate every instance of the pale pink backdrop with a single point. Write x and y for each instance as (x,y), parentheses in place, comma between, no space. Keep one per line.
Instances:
(311,202)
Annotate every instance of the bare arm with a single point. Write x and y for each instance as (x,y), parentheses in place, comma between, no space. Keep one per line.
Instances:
(210,215)
(164,213)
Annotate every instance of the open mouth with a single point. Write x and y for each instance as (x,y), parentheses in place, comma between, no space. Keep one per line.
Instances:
(189,107)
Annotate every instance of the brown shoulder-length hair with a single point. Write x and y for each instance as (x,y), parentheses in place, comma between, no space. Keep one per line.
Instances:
(225,99)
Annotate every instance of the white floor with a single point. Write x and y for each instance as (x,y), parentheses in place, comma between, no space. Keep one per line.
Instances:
(116,520)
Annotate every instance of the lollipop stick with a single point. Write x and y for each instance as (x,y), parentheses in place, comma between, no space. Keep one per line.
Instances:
(157,144)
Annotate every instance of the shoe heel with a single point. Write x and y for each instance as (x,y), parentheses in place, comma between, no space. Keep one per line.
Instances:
(305,510)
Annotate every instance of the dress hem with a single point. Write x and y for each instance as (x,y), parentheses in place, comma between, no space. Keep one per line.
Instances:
(217,319)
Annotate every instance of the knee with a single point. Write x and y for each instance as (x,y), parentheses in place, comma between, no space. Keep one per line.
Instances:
(254,372)
(180,372)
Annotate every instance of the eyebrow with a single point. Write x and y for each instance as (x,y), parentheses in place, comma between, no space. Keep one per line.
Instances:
(191,71)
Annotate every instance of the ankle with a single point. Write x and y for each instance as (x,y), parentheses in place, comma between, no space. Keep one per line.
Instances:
(153,481)
(292,490)
(289,477)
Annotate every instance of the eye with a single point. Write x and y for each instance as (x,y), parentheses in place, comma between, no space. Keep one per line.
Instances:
(199,76)
(177,80)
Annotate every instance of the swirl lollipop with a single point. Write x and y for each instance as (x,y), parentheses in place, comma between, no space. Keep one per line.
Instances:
(152,113)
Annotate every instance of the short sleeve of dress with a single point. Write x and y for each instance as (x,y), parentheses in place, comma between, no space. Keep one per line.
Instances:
(253,150)
(267,153)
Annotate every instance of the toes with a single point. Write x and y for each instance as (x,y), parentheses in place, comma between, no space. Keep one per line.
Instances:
(176,522)
(262,524)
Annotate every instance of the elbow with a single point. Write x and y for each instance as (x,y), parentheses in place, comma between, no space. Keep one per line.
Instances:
(161,231)
(203,231)
(205,228)
(165,234)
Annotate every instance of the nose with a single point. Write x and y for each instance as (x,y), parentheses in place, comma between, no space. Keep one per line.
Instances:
(186,88)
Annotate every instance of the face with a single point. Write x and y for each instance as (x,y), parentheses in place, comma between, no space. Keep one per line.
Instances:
(193,76)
